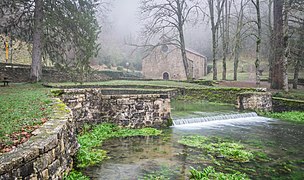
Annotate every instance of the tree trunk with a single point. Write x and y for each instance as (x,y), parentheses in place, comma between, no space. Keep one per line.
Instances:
(270,31)
(258,42)
(277,70)
(296,74)
(285,44)
(238,41)
(214,41)
(36,70)
(299,58)
(214,30)
(224,43)
(182,39)
(184,56)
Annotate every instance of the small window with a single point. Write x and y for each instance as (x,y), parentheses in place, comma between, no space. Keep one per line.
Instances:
(164,48)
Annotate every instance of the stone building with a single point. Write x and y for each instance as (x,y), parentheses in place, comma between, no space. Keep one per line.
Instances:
(165,62)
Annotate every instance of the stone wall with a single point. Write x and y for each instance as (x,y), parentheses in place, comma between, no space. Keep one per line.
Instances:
(258,101)
(283,104)
(21,73)
(134,111)
(47,154)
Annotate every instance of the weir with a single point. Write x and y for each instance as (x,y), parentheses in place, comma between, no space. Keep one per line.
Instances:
(213,118)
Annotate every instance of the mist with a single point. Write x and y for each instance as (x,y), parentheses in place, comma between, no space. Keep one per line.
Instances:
(123,27)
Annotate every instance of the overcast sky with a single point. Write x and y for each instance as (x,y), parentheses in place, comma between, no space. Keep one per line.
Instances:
(124,17)
(125,22)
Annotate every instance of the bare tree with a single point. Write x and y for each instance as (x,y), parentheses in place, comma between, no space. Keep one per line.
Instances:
(215,10)
(225,36)
(239,33)
(167,19)
(296,21)
(258,36)
(270,38)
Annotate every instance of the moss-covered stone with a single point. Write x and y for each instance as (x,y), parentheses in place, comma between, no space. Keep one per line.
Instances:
(283,104)
(222,95)
(57,92)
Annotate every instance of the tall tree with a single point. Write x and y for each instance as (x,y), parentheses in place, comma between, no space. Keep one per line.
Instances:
(279,78)
(270,39)
(258,36)
(36,69)
(167,19)
(53,27)
(215,10)
(297,30)
(238,37)
(225,36)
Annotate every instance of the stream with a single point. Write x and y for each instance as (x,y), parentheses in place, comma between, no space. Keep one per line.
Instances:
(279,143)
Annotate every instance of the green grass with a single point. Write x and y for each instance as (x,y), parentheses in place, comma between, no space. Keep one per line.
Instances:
(135,83)
(292,116)
(90,154)
(22,106)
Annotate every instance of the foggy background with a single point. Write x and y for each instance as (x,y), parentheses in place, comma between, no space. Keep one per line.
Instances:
(123,26)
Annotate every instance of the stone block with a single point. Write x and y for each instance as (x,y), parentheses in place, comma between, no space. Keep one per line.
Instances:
(10,161)
(44,174)
(41,163)
(53,167)
(27,169)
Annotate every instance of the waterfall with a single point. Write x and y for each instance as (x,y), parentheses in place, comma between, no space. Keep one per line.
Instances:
(213,118)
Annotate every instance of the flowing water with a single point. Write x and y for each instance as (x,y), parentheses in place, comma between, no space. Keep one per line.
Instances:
(164,158)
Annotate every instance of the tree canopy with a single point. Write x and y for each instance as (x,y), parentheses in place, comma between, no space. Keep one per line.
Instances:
(65,31)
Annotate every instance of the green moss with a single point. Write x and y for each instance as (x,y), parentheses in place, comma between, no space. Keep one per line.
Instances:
(222,95)
(169,122)
(57,92)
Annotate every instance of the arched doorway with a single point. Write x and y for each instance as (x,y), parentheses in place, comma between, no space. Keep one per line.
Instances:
(166,76)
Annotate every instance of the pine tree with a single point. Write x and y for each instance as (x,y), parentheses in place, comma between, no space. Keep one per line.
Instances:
(64,31)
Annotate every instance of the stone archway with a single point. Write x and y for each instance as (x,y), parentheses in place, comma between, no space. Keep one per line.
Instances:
(166,76)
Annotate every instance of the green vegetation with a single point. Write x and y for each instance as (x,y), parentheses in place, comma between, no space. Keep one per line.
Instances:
(75,175)
(90,142)
(186,106)
(133,83)
(292,116)
(210,173)
(217,94)
(23,107)
(292,94)
(218,148)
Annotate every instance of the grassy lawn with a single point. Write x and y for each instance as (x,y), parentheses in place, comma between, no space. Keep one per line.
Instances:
(165,84)
(23,108)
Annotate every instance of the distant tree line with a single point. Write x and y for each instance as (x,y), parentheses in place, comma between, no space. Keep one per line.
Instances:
(275,26)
